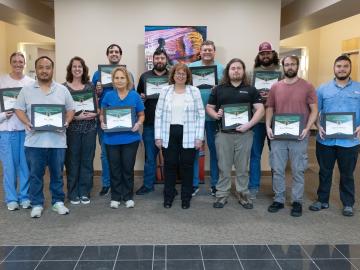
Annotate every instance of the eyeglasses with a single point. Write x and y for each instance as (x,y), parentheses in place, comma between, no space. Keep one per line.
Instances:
(180,75)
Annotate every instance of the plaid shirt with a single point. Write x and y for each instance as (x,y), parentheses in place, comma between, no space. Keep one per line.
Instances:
(194,116)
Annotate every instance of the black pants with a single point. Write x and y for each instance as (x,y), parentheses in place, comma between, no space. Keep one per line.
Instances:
(175,156)
(346,158)
(79,163)
(122,159)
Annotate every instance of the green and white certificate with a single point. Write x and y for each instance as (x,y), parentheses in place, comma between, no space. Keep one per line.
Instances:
(263,80)
(47,116)
(154,85)
(8,98)
(339,125)
(204,77)
(235,115)
(118,119)
(84,101)
(287,126)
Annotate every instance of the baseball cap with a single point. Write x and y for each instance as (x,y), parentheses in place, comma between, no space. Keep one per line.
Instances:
(265,47)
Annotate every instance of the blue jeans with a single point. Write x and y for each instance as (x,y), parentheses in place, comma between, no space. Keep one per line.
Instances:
(105,176)
(151,152)
(13,159)
(38,159)
(255,156)
(210,129)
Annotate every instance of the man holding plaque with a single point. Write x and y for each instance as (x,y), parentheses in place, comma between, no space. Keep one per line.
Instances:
(266,72)
(231,103)
(338,140)
(149,87)
(45,148)
(207,53)
(292,98)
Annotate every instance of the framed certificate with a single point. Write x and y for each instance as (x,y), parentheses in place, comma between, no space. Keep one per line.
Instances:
(154,85)
(47,117)
(235,115)
(263,80)
(287,126)
(119,118)
(204,77)
(8,97)
(338,125)
(105,74)
(85,101)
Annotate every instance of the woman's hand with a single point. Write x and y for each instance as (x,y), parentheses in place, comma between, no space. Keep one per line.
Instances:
(103,125)
(158,143)
(198,144)
(136,127)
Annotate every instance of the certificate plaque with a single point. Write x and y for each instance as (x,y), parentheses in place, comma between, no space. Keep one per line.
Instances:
(235,115)
(204,77)
(119,118)
(263,80)
(338,125)
(154,85)
(47,117)
(287,126)
(105,74)
(8,97)
(85,101)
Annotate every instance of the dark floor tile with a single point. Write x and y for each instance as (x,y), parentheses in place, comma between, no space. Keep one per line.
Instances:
(95,265)
(219,252)
(27,253)
(184,265)
(222,265)
(253,252)
(135,253)
(183,252)
(334,264)
(159,252)
(159,265)
(349,251)
(297,264)
(288,252)
(133,265)
(18,265)
(259,265)
(322,252)
(99,253)
(63,253)
(4,251)
(58,265)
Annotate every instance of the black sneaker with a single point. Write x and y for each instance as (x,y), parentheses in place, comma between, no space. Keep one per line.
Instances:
(104,191)
(347,211)
(296,210)
(195,191)
(220,202)
(185,204)
(213,191)
(143,190)
(275,207)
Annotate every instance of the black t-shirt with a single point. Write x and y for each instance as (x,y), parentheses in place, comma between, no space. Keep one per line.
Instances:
(228,94)
(150,104)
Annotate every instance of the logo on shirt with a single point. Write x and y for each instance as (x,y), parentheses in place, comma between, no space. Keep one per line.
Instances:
(243,92)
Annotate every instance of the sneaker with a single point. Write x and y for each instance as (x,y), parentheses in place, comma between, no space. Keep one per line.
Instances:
(245,201)
(84,200)
(143,190)
(75,201)
(185,204)
(60,208)
(36,211)
(317,206)
(296,210)
(25,204)
(12,206)
(114,204)
(195,191)
(129,204)
(348,211)
(275,207)
(213,191)
(104,191)
(220,202)
(253,193)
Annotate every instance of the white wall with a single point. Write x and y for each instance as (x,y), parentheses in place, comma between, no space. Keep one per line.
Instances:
(236,26)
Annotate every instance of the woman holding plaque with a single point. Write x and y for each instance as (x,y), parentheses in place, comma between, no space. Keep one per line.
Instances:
(81,133)
(179,130)
(122,115)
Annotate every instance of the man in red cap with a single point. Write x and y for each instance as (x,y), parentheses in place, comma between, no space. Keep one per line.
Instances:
(267,71)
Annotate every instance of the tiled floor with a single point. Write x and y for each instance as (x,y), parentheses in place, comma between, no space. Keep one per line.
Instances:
(181,257)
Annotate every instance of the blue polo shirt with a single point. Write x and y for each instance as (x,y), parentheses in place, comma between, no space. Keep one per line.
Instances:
(334,98)
(112,99)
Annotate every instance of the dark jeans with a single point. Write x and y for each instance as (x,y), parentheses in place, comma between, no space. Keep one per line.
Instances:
(346,158)
(151,152)
(79,163)
(175,156)
(122,159)
(37,160)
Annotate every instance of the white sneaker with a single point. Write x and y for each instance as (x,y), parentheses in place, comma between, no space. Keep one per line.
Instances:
(85,200)
(114,204)
(130,204)
(25,204)
(12,206)
(60,208)
(36,211)
(75,201)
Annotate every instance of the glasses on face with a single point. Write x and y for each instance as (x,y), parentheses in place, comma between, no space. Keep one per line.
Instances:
(290,65)
(180,75)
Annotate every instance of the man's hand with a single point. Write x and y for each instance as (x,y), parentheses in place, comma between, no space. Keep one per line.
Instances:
(304,133)
(243,128)
(269,133)
(219,114)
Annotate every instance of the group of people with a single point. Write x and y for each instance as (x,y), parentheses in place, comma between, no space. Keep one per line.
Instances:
(175,123)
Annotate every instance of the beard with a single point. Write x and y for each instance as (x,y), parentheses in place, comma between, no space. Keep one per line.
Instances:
(267,63)
(291,73)
(342,78)
(159,67)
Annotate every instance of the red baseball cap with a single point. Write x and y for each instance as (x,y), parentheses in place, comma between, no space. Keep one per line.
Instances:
(265,47)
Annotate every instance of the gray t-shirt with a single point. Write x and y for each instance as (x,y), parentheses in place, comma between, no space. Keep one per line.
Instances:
(32,94)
